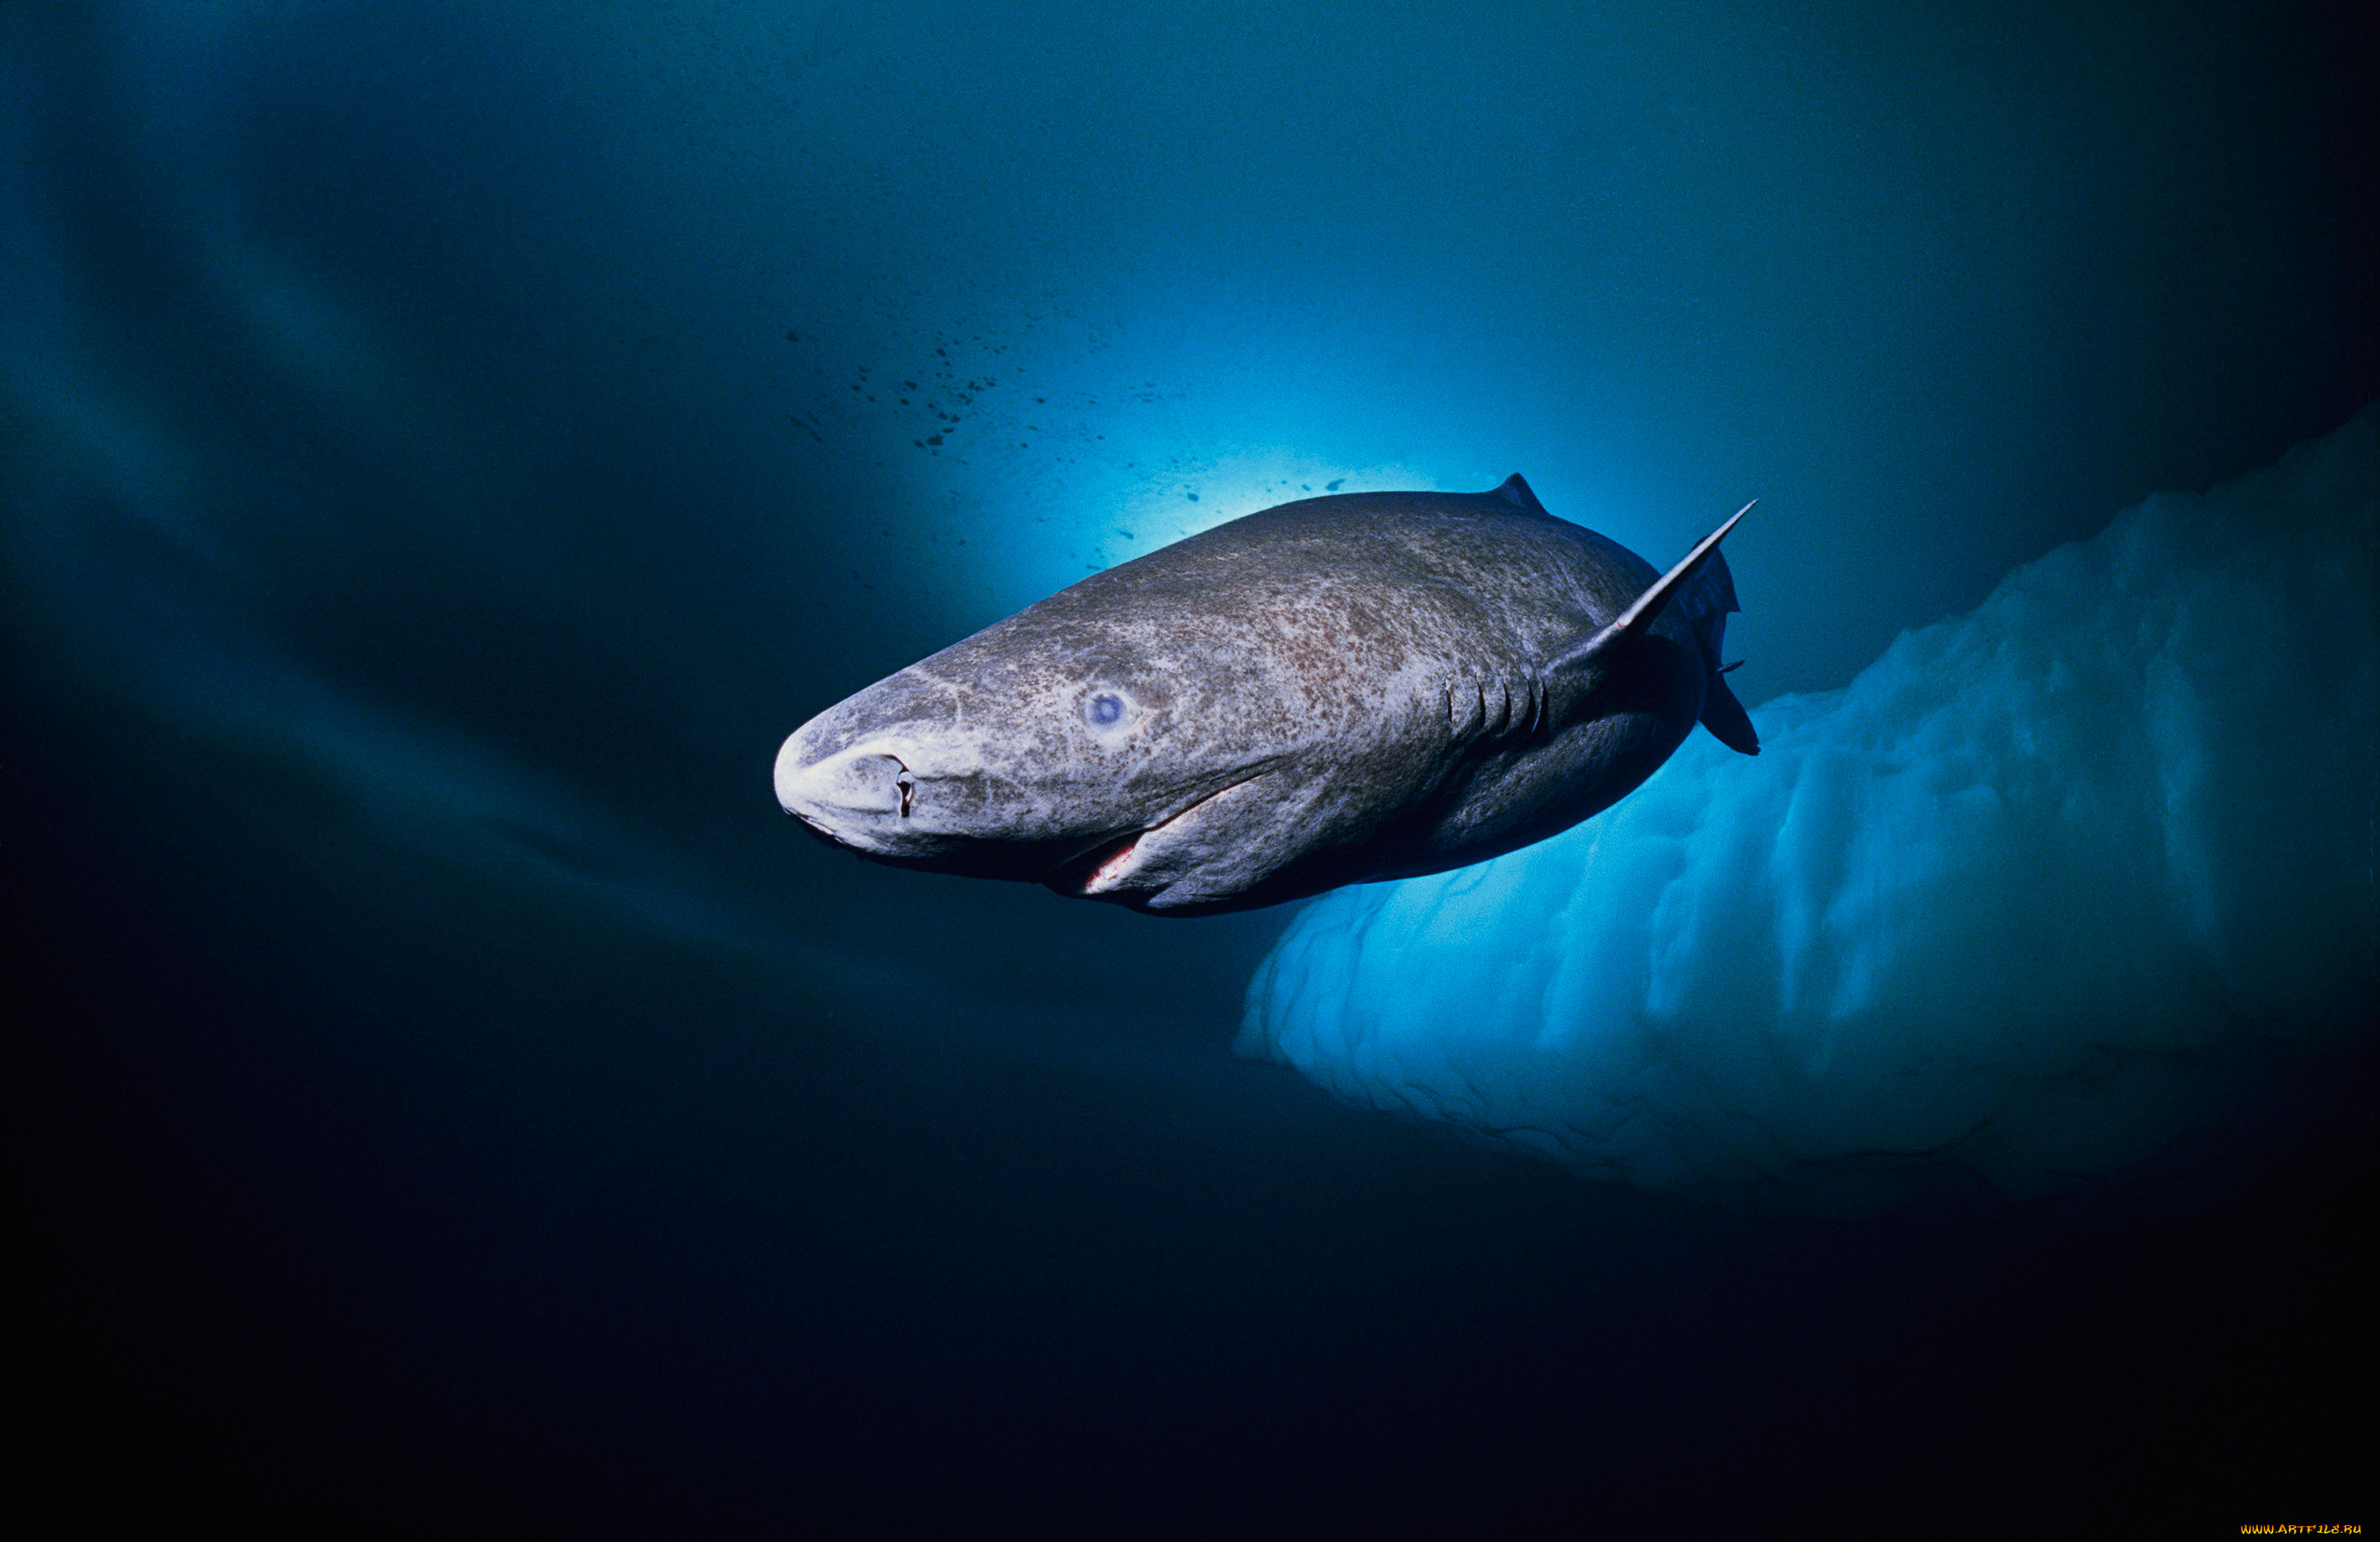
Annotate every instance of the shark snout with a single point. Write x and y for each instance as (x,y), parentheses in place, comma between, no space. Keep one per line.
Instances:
(910,799)
(847,793)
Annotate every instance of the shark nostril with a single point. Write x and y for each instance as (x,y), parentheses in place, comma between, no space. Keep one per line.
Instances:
(905,782)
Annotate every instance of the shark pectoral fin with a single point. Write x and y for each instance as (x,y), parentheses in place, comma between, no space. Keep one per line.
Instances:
(1567,677)
(1726,718)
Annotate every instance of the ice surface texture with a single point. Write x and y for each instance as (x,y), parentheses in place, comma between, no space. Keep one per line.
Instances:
(2046,889)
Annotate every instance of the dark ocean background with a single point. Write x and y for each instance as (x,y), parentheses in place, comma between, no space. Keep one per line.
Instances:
(446,448)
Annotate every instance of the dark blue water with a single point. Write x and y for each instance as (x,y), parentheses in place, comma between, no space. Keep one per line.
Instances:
(447,447)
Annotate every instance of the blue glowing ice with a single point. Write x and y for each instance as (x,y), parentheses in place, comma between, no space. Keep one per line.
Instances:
(2047,888)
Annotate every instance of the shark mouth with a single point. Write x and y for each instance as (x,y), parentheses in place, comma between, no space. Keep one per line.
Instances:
(1104,868)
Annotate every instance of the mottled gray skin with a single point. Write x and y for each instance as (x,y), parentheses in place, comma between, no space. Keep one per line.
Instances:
(1333,691)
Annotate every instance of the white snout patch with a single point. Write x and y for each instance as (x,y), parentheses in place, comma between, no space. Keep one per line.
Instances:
(866,781)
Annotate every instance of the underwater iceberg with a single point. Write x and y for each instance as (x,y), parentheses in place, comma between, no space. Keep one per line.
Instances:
(2049,890)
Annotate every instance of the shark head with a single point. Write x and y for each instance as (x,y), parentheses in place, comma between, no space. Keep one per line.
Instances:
(1126,753)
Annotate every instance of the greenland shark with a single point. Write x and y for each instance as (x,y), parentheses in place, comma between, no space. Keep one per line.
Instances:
(1340,690)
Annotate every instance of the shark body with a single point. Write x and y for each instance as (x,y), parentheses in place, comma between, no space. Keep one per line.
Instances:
(1339,690)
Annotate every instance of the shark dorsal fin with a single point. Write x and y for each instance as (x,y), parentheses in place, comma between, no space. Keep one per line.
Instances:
(1513,490)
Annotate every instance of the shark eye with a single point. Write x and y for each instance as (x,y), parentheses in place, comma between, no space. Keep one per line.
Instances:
(1104,710)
